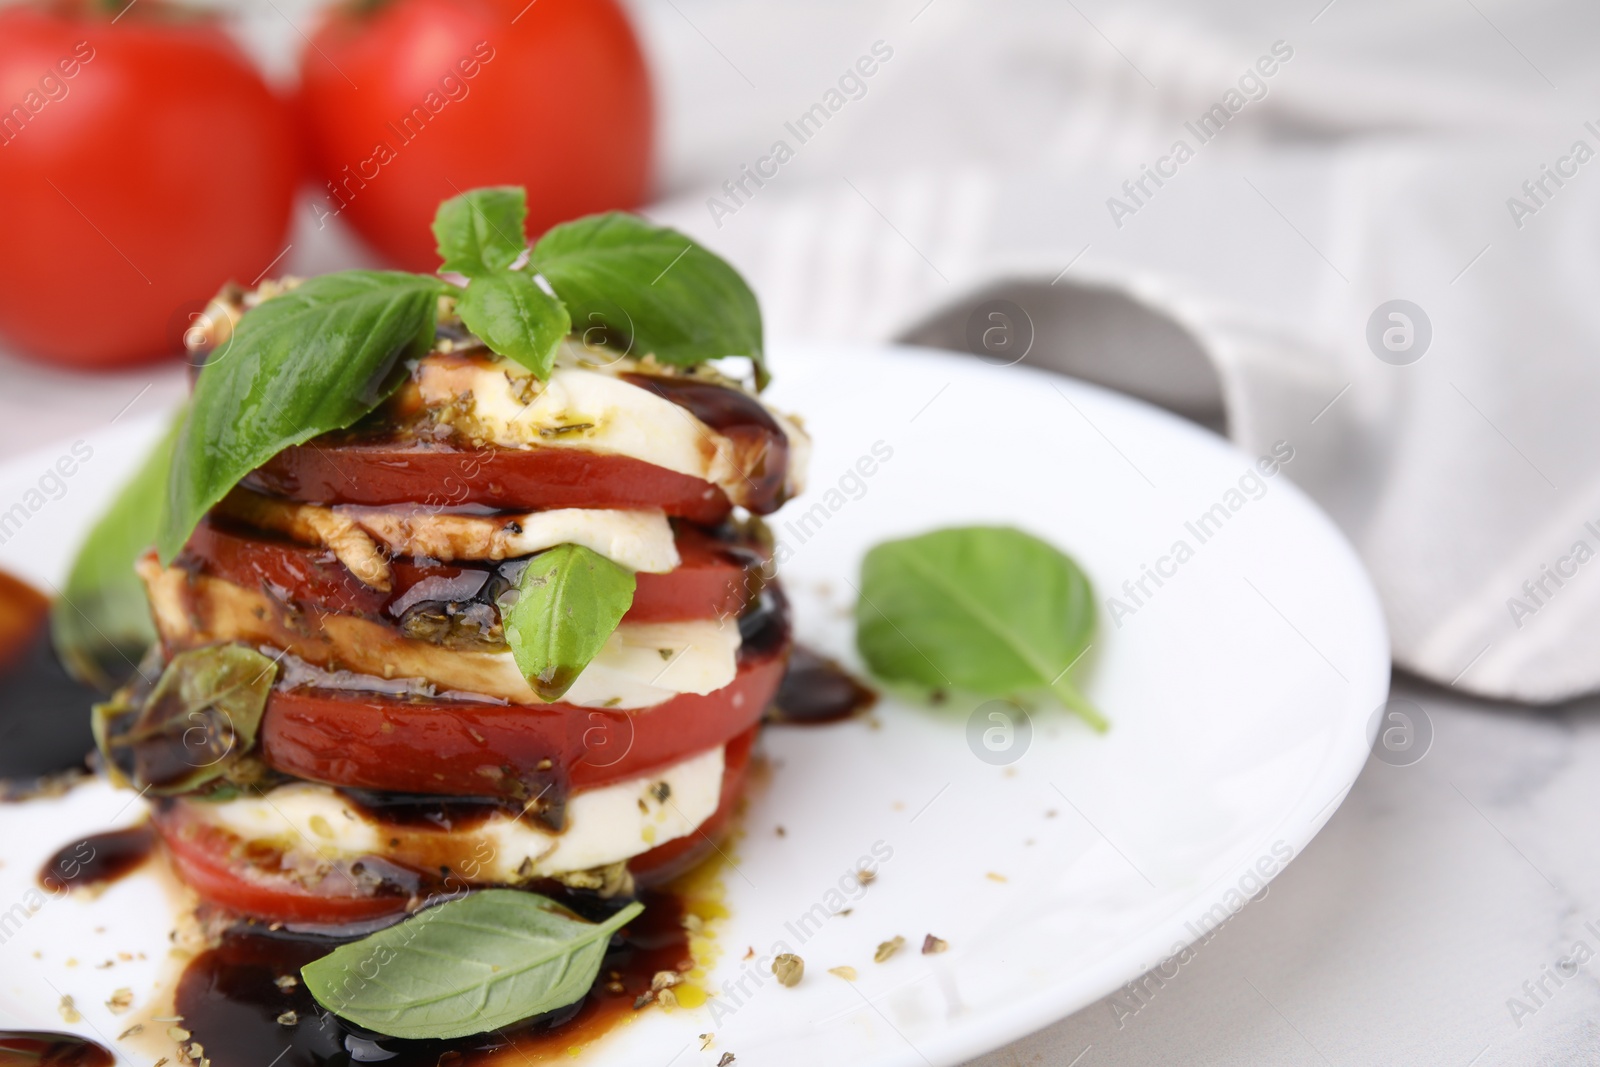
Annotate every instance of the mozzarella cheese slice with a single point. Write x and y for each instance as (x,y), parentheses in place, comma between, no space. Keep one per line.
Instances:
(643,664)
(640,540)
(637,540)
(603,826)
(587,408)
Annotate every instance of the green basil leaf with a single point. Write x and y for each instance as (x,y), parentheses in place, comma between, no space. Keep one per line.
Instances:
(516,318)
(100,623)
(567,603)
(650,290)
(990,610)
(198,720)
(482,231)
(466,966)
(314,359)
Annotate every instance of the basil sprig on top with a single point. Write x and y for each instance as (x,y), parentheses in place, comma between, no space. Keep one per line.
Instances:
(322,355)
(651,291)
(618,279)
(480,236)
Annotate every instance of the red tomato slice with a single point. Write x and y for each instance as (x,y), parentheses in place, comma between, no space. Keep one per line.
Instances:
(456,748)
(212,862)
(509,479)
(714,579)
(216,865)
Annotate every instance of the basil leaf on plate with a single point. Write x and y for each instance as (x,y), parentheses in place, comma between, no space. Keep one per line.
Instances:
(567,603)
(100,624)
(516,318)
(986,609)
(311,360)
(651,290)
(482,231)
(466,966)
(197,721)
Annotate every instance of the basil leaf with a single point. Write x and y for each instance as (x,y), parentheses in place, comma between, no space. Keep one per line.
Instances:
(651,290)
(986,609)
(314,359)
(100,624)
(567,603)
(466,966)
(516,318)
(197,721)
(482,231)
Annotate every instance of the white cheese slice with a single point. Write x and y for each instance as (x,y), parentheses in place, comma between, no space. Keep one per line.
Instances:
(637,540)
(593,409)
(604,825)
(642,664)
(621,418)
(641,540)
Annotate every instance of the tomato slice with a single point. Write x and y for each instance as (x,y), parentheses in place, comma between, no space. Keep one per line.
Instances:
(458,748)
(511,479)
(215,864)
(225,873)
(715,578)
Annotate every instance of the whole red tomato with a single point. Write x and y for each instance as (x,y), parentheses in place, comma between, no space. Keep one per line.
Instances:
(143,163)
(409,102)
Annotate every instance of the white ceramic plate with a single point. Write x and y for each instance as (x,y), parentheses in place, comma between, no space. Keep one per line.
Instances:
(1240,690)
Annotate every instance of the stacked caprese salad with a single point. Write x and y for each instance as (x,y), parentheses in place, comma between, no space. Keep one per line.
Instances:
(460,580)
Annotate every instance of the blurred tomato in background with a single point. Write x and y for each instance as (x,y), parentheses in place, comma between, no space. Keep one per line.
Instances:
(143,163)
(409,102)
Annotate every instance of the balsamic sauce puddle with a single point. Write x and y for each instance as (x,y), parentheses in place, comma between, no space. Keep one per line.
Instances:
(32,1048)
(44,713)
(244,1003)
(97,860)
(817,690)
